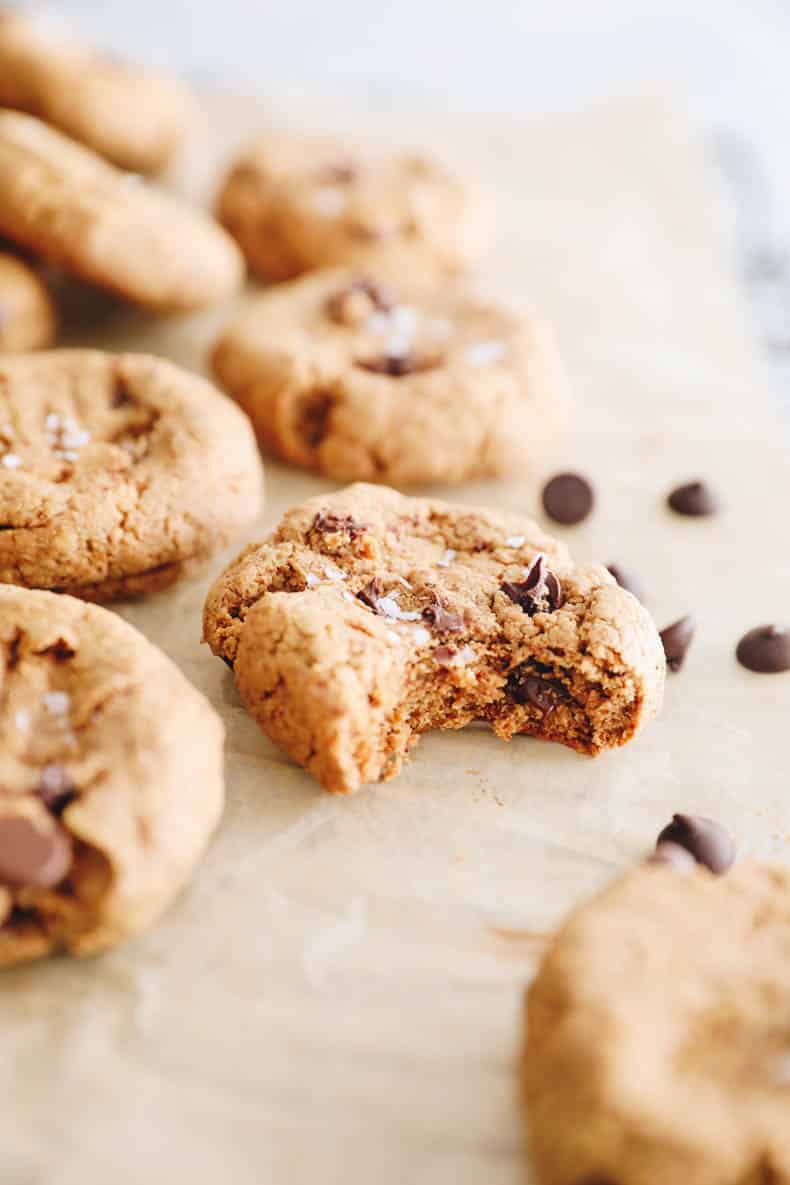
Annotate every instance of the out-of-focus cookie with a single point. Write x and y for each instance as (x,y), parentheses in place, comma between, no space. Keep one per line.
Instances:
(27,313)
(134,117)
(658,1044)
(368,618)
(77,211)
(358,378)
(110,777)
(298,202)
(118,473)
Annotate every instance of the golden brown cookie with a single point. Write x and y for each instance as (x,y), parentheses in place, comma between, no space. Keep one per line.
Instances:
(298,202)
(111,229)
(27,314)
(356,377)
(658,1037)
(111,777)
(134,117)
(118,473)
(369,618)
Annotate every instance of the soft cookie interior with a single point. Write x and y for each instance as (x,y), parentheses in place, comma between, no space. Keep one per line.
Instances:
(359,627)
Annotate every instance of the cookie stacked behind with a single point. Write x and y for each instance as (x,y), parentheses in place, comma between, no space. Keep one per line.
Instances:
(28,319)
(117,473)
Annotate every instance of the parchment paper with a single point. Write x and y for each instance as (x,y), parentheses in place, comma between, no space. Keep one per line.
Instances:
(336,998)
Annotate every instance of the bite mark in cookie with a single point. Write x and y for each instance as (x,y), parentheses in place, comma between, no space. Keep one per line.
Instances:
(369,618)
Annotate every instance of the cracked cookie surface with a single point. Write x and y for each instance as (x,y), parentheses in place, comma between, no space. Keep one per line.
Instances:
(658,1046)
(77,211)
(27,312)
(118,473)
(364,379)
(368,618)
(298,202)
(134,117)
(111,777)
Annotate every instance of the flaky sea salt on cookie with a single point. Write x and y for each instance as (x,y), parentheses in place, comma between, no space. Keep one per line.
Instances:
(368,618)
(296,202)
(133,116)
(113,230)
(362,377)
(118,473)
(111,777)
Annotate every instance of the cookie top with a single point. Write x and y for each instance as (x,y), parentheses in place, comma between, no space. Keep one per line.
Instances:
(368,618)
(298,202)
(358,377)
(117,472)
(71,207)
(27,313)
(134,117)
(658,1044)
(111,777)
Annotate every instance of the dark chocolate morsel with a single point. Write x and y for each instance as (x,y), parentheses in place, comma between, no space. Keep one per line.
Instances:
(539,592)
(695,498)
(442,619)
(708,842)
(676,639)
(628,580)
(765,649)
(31,857)
(568,498)
(395,366)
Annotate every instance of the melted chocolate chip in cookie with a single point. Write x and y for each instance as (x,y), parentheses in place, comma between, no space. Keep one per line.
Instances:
(396,366)
(333,524)
(539,592)
(525,687)
(32,857)
(442,619)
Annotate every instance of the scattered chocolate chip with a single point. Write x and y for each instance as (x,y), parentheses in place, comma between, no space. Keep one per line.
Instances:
(539,592)
(695,498)
(627,580)
(568,498)
(370,594)
(676,639)
(765,649)
(55,787)
(30,857)
(708,842)
(398,365)
(332,524)
(524,687)
(442,620)
(358,300)
(672,854)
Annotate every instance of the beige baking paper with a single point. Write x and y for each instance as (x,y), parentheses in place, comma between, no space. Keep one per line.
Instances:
(336,998)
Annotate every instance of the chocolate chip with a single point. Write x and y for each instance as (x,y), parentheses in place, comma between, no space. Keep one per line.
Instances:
(568,498)
(32,858)
(539,592)
(444,655)
(709,843)
(55,787)
(695,498)
(674,855)
(398,365)
(676,639)
(333,524)
(370,594)
(442,620)
(765,649)
(343,306)
(121,396)
(627,580)
(313,415)
(59,651)
(524,687)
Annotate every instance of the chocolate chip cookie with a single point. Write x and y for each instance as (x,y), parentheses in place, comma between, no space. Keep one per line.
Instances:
(368,618)
(110,777)
(658,1043)
(359,378)
(118,232)
(298,202)
(118,473)
(27,314)
(134,117)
